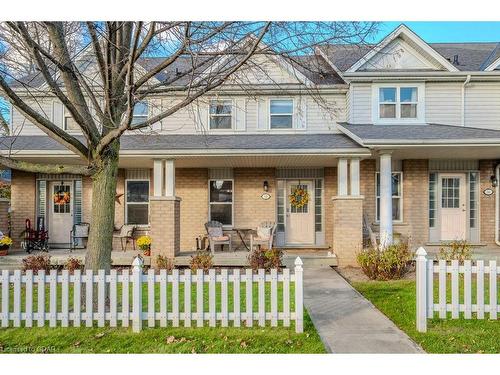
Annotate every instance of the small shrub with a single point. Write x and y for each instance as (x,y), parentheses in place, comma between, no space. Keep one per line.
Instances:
(266,259)
(73,264)
(388,264)
(36,263)
(202,260)
(456,250)
(164,263)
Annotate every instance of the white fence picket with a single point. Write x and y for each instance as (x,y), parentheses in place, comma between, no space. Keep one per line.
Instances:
(286,297)
(101,298)
(199,298)
(163,298)
(125,298)
(16,313)
(41,298)
(442,289)
(5,298)
(29,299)
(113,299)
(249,297)
(211,298)
(224,298)
(480,289)
(65,298)
(236,298)
(299,296)
(77,302)
(468,289)
(89,293)
(493,290)
(175,298)
(425,287)
(454,289)
(63,285)
(151,298)
(274,298)
(53,299)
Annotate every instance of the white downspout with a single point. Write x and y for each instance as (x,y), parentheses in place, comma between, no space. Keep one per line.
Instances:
(467,80)
(497,214)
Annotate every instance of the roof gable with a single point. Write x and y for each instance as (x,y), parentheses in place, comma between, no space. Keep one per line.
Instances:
(402,50)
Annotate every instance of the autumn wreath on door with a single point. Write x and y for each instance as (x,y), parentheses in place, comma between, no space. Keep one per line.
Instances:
(61,197)
(299,197)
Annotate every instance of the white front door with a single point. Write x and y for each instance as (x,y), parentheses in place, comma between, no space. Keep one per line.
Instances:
(453,206)
(300,220)
(60,211)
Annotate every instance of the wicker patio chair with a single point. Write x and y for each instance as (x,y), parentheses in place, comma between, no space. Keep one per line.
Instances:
(126,232)
(264,236)
(216,236)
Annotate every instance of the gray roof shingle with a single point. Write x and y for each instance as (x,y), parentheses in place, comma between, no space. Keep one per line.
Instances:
(471,56)
(370,134)
(199,142)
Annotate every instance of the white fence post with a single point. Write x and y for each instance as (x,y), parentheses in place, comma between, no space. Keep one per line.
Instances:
(137,294)
(299,292)
(421,290)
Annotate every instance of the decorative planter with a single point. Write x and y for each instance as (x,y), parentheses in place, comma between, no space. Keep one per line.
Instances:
(4,250)
(147,252)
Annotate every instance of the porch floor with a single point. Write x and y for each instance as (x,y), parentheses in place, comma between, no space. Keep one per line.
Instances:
(120,258)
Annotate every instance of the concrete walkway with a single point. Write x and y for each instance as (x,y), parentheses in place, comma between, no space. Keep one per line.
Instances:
(346,321)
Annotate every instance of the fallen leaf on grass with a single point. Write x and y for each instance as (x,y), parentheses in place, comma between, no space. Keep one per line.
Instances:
(77,344)
(170,339)
(99,335)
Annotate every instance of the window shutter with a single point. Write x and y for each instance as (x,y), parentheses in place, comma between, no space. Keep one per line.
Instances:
(301,113)
(57,113)
(240,114)
(41,199)
(263,114)
(77,201)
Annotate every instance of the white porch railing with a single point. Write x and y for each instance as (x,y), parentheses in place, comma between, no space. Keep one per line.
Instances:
(20,292)
(453,300)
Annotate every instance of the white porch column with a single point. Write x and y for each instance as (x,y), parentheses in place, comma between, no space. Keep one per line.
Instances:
(170,178)
(342,177)
(385,199)
(354,176)
(158,177)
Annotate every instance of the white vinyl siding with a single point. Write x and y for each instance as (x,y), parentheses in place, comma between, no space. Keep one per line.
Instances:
(482,104)
(443,103)
(361,102)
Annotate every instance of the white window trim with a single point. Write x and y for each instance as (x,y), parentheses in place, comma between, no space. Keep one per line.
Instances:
(127,202)
(420,119)
(66,114)
(401,205)
(232,115)
(232,201)
(294,106)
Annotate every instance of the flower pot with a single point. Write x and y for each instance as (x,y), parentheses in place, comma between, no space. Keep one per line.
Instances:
(147,253)
(4,250)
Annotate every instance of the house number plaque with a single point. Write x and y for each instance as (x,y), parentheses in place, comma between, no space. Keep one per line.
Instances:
(488,192)
(265,196)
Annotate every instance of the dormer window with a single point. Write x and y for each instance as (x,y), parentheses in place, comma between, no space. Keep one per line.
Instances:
(398,103)
(221,114)
(140,112)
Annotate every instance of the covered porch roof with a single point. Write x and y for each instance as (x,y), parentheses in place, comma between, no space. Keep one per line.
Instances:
(429,141)
(205,150)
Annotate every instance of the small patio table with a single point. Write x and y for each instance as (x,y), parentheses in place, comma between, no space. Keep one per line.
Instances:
(242,234)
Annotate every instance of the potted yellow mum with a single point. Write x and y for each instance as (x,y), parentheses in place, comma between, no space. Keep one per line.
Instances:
(144,243)
(5,244)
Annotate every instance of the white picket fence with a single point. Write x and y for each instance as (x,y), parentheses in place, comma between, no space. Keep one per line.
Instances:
(485,301)
(18,286)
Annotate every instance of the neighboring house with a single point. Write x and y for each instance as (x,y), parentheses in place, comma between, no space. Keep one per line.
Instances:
(422,118)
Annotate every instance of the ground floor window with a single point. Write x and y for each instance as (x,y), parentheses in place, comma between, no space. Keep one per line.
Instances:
(137,202)
(221,201)
(397,196)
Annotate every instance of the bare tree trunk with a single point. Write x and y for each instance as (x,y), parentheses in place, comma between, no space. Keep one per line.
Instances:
(103,211)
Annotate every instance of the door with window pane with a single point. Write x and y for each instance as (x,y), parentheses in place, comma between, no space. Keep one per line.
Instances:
(453,207)
(60,211)
(221,201)
(300,220)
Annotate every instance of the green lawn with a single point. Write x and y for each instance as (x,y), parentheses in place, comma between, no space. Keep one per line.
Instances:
(170,339)
(396,299)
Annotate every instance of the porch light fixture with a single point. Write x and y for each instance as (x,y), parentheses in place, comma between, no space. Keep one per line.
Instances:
(266,186)
(494,181)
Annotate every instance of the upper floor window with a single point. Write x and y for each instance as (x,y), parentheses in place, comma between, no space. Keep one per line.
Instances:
(221,114)
(69,122)
(140,114)
(281,113)
(398,102)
